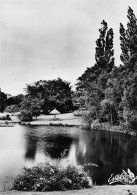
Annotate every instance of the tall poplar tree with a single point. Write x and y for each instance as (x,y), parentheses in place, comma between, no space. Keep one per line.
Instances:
(124,47)
(128,38)
(94,80)
(104,56)
(128,75)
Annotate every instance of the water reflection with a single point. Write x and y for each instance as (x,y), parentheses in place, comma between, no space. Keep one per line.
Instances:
(110,151)
(11,151)
(51,144)
(58,146)
(21,146)
(31,145)
(26,146)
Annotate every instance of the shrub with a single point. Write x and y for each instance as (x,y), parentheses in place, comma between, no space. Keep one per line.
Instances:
(12,108)
(133,122)
(56,124)
(7,117)
(25,116)
(52,177)
(87,118)
(77,113)
(3,118)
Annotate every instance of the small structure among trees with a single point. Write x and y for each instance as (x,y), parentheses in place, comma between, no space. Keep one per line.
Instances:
(55,112)
(44,96)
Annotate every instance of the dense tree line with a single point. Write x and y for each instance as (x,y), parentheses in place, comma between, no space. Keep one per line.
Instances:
(44,96)
(54,93)
(3,98)
(41,96)
(111,91)
(11,103)
(107,90)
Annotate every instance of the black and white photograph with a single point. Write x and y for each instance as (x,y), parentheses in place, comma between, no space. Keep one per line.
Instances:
(68,97)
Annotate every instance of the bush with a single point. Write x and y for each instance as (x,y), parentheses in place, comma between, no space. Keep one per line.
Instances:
(80,112)
(12,108)
(87,118)
(77,113)
(56,124)
(133,122)
(7,117)
(25,116)
(52,177)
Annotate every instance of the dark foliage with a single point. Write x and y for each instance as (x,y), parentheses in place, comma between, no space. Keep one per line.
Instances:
(3,98)
(112,91)
(54,93)
(52,177)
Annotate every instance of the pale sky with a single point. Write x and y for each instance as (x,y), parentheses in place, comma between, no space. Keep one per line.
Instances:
(46,39)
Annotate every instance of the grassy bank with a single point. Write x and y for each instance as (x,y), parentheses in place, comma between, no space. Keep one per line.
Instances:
(50,124)
(67,119)
(108,127)
(125,128)
(96,190)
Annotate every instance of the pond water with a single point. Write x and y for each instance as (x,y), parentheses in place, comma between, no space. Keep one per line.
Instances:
(26,146)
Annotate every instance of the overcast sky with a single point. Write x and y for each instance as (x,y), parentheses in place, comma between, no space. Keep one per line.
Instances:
(46,39)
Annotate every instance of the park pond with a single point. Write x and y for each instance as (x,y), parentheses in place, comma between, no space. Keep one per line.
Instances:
(27,146)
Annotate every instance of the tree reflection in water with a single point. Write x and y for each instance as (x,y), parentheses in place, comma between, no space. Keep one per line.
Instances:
(112,152)
(49,143)
(55,146)
(31,145)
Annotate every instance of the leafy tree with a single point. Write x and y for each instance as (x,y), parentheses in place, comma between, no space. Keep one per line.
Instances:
(112,91)
(18,99)
(128,39)
(30,107)
(3,98)
(36,105)
(79,98)
(131,32)
(119,103)
(104,57)
(94,80)
(12,108)
(25,115)
(55,94)
(123,38)
(13,104)
(120,94)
